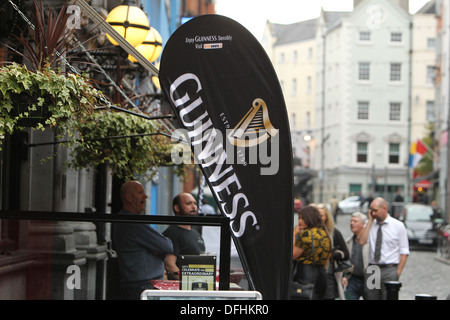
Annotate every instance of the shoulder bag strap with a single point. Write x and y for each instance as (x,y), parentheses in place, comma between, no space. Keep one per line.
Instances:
(312,244)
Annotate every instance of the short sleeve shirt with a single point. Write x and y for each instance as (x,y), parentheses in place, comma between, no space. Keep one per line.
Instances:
(185,242)
(322,246)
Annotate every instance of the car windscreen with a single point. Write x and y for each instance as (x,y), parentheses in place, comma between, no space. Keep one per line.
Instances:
(419,214)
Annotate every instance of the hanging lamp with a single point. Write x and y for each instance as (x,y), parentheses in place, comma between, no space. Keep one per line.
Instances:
(130,22)
(151,47)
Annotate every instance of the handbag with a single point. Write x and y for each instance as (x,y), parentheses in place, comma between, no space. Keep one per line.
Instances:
(344,266)
(298,289)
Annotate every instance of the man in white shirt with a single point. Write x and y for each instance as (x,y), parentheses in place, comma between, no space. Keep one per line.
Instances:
(389,260)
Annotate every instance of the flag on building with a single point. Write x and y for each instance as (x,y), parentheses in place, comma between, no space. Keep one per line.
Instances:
(416,153)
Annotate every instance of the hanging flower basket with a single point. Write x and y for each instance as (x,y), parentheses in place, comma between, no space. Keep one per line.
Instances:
(30,110)
(42,99)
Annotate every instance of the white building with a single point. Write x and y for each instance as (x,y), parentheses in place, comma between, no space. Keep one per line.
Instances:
(443,99)
(361,74)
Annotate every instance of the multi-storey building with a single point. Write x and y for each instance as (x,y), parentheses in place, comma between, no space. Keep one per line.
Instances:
(362,115)
(442,99)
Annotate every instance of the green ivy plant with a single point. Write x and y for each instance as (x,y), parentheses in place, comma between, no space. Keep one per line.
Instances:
(70,105)
(129,145)
(65,99)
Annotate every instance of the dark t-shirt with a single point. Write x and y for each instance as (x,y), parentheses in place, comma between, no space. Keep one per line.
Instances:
(185,242)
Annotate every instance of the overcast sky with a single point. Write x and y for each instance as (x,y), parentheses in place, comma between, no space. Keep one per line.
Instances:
(253,14)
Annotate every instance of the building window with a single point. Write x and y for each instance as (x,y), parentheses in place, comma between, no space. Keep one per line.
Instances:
(308,120)
(308,85)
(431,43)
(294,87)
(310,53)
(394,111)
(430,74)
(364,71)
(430,111)
(364,36)
(281,61)
(396,37)
(294,56)
(394,153)
(396,72)
(363,110)
(361,152)
(293,121)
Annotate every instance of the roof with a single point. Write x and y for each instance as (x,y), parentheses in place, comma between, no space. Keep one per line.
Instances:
(295,32)
(304,30)
(428,8)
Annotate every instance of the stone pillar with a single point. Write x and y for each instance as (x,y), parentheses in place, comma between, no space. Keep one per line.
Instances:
(86,240)
(53,244)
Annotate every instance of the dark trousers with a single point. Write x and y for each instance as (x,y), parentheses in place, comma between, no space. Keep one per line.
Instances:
(314,274)
(132,291)
(355,288)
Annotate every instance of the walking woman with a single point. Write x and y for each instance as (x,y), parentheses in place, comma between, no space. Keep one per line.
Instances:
(311,251)
(339,254)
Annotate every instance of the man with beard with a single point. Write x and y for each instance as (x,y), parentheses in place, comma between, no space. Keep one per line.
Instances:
(185,239)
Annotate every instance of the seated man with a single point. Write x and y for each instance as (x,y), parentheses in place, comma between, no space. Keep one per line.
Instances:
(186,240)
(141,249)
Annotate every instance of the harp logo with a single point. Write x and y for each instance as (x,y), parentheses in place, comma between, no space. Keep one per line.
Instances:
(254,128)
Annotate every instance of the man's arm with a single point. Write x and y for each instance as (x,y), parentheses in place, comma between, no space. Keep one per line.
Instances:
(401,264)
(170,264)
(364,234)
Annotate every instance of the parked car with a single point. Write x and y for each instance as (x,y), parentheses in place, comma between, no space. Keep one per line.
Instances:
(352,204)
(420,227)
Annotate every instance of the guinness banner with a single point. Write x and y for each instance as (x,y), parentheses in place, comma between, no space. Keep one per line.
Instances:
(224,90)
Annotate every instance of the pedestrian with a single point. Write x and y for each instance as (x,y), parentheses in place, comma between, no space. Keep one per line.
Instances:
(359,256)
(339,253)
(186,240)
(141,249)
(311,250)
(334,204)
(398,196)
(389,249)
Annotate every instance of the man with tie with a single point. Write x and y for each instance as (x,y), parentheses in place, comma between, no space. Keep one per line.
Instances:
(389,249)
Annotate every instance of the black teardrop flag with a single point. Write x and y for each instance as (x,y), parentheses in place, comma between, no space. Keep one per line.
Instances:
(225,92)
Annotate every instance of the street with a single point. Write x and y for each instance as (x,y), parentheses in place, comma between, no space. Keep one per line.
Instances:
(423,273)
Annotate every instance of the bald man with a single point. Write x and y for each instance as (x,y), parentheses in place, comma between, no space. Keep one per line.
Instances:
(186,240)
(393,251)
(141,249)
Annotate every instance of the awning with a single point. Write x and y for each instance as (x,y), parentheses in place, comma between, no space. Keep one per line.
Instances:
(423,184)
